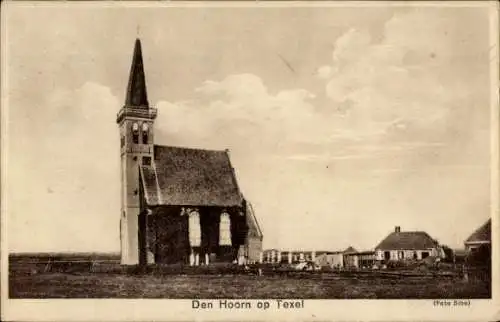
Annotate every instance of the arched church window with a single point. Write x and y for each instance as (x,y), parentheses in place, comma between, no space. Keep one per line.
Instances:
(225,229)
(145,132)
(135,133)
(194,229)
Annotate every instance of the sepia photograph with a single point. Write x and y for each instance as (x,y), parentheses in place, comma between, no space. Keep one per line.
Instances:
(244,156)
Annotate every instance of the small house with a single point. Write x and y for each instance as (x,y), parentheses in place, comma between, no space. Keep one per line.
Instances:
(331,259)
(271,256)
(407,245)
(481,236)
(363,259)
(298,256)
(289,256)
(349,260)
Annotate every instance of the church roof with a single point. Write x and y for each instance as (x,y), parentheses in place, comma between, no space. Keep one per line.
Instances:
(190,177)
(482,234)
(407,240)
(136,91)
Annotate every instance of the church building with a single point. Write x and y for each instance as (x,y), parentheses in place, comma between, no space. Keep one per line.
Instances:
(179,205)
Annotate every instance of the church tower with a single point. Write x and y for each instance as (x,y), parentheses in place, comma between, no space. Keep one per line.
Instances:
(135,120)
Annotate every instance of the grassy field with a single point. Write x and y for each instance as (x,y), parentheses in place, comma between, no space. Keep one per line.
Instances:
(100,276)
(326,286)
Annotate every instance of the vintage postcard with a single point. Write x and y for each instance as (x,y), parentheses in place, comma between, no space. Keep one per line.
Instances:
(250,161)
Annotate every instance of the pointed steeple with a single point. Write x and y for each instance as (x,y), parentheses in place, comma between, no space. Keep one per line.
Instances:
(136,91)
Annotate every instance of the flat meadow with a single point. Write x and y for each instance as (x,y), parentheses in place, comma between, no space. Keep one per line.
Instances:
(327,286)
(88,277)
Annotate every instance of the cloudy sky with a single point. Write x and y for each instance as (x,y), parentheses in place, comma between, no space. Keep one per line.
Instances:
(342,122)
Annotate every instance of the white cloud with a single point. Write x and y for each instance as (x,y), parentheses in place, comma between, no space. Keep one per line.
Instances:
(403,78)
(243,106)
(268,123)
(350,46)
(324,71)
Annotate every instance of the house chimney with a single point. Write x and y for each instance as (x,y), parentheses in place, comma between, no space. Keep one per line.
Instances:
(397,229)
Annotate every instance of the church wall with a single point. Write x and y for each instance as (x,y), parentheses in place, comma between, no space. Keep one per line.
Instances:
(239,228)
(131,157)
(168,236)
(210,223)
(239,232)
(129,239)
(142,238)
(210,220)
(131,210)
(254,248)
(254,238)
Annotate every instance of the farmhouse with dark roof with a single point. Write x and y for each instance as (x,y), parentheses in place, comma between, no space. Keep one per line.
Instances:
(401,245)
(179,205)
(481,236)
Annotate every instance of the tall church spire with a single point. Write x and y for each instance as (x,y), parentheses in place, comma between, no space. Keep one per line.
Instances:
(136,91)
(136,124)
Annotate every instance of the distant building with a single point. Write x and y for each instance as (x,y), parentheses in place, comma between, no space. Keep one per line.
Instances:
(364,259)
(290,256)
(481,236)
(349,260)
(271,256)
(331,259)
(401,245)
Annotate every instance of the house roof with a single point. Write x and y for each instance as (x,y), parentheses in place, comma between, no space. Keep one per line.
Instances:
(365,252)
(482,234)
(407,240)
(190,177)
(328,252)
(349,250)
(320,254)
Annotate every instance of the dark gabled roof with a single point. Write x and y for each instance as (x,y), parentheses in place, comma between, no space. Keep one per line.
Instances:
(190,177)
(482,234)
(407,240)
(328,252)
(365,252)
